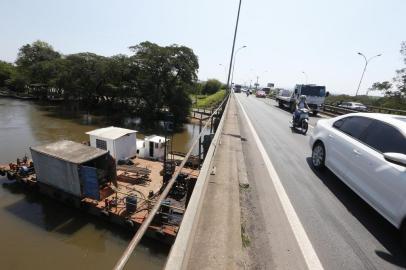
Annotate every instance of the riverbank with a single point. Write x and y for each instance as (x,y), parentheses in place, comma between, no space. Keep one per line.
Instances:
(210,101)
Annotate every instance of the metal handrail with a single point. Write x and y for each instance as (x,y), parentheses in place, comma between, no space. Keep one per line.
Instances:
(341,110)
(144,226)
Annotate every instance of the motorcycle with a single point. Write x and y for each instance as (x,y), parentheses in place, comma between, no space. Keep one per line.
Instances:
(302,122)
(248,93)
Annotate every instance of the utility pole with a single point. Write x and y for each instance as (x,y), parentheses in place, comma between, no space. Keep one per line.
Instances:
(232,50)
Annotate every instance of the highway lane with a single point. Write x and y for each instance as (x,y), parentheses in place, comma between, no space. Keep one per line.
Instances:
(345,232)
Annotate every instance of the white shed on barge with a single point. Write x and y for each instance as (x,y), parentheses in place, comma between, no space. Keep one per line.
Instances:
(152,147)
(120,142)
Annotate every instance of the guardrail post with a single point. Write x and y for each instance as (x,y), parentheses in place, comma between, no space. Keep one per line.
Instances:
(200,140)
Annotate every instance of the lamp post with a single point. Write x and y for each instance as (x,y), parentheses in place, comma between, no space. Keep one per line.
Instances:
(307,78)
(232,73)
(365,68)
(232,50)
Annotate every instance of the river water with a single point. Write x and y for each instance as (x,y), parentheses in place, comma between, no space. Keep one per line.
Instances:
(40,233)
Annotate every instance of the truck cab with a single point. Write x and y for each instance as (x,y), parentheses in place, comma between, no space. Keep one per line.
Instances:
(315,95)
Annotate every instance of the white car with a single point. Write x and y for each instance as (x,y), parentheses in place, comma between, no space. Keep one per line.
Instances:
(367,151)
(354,106)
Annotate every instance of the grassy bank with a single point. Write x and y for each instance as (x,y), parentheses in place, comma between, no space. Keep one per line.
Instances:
(210,101)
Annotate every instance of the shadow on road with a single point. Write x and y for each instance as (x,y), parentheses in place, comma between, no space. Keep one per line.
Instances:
(382,230)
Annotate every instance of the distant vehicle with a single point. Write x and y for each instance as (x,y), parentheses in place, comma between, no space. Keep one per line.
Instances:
(315,97)
(267,90)
(237,88)
(354,106)
(367,151)
(260,94)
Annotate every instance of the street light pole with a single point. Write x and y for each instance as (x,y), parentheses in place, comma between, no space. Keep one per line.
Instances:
(307,78)
(232,50)
(365,68)
(232,73)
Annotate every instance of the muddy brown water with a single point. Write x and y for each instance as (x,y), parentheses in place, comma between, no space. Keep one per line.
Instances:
(40,233)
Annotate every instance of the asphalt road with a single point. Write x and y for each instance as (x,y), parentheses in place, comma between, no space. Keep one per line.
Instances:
(344,231)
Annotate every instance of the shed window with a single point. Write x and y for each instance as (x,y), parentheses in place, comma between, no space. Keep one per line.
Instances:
(156,145)
(101,144)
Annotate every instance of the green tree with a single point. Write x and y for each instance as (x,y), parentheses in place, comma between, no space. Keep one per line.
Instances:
(399,80)
(211,86)
(7,70)
(384,87)
(164,77)
(83,77)
(38,51)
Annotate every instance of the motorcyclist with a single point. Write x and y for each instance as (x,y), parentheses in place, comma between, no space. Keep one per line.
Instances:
(301,104)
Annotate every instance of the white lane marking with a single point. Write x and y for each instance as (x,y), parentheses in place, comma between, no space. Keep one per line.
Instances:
(306,247)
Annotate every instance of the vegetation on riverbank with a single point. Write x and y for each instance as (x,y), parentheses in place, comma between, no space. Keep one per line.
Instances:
(143,84)
(210,101)
(396,103)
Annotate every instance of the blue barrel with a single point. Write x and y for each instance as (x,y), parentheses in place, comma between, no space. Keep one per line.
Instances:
(131,203)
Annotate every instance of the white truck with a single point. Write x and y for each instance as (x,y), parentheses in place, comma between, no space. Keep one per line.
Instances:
(315,97)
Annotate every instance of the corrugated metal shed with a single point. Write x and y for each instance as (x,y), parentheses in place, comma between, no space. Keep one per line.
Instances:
(58,164)
(73,152)
(111,133)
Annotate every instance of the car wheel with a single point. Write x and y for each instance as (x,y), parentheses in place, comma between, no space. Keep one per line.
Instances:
(318,156)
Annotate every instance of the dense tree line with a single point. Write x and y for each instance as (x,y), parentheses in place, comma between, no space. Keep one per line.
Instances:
(152,78)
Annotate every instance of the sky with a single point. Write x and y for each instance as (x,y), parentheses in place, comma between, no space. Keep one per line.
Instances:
(284,38)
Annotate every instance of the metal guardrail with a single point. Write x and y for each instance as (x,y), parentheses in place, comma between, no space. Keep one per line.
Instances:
(144,226)
(337,110)
(372,109)
(181,249)
(385,110)
(329,108)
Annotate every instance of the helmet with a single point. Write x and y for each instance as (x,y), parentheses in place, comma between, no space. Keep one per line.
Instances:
(302,98)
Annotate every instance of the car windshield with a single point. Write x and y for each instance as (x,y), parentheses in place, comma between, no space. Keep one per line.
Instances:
(308,90)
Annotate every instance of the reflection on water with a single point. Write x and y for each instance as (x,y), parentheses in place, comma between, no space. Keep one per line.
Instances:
(40,233)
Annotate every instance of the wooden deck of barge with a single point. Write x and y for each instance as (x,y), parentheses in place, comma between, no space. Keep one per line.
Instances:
(142,180)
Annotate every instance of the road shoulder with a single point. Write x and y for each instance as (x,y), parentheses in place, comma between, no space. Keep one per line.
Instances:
(272,244)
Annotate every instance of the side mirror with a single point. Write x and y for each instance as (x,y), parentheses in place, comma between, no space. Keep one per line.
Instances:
(396,158)
(327,93)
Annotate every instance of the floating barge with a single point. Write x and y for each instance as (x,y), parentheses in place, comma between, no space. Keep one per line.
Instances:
(120,191)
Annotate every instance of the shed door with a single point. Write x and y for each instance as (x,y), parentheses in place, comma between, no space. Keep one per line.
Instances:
(88,176)
(151,149)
